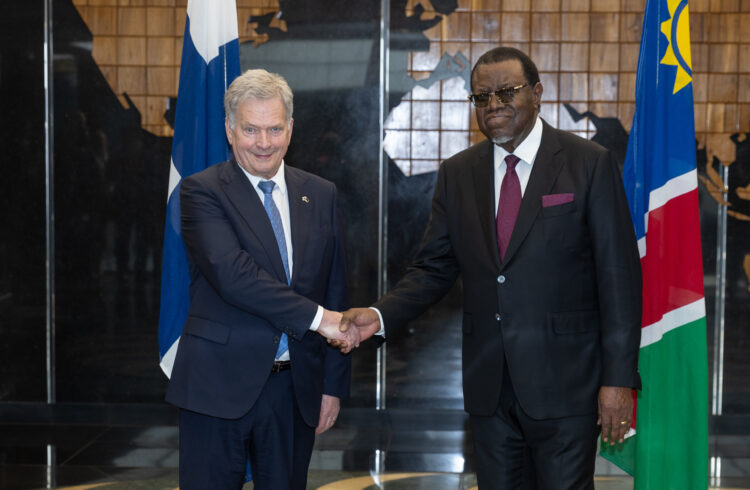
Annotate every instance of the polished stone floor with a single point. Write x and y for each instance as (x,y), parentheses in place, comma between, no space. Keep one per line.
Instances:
(126,447)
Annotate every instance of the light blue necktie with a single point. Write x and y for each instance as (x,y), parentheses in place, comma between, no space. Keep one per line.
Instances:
(278,229)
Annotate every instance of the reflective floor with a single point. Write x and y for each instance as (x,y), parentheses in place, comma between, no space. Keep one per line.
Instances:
(121,447)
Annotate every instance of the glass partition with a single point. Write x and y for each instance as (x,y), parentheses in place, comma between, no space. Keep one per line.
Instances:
(22,206)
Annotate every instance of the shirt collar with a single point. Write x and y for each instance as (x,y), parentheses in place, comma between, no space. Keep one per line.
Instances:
(279,178)
(528,148)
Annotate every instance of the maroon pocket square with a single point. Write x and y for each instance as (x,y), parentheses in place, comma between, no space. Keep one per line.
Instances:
(556,199)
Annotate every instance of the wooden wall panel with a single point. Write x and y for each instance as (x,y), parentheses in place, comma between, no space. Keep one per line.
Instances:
(586,50)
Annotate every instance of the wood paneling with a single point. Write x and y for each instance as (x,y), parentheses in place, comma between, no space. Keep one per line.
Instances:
(575,27)
(545,5)
(545,27)
(546,56)
(131,21)
(515,27)
(586,51)
(605,57)
(574,57)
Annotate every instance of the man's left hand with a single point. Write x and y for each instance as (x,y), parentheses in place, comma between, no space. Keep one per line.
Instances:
(615,412)
(329,411)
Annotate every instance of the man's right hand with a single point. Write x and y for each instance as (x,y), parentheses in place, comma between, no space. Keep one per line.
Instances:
(329,328)
(366,321)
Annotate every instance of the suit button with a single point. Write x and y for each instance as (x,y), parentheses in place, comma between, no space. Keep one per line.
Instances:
(276,340)
(501,279)
(497,316)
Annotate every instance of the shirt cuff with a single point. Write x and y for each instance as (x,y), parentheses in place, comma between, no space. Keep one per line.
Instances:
(318,318)
(380,332)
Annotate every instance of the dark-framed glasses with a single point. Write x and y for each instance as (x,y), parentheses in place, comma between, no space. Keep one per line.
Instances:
(504,95)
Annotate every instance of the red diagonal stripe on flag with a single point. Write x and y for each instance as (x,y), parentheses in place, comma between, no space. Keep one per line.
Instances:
(671,278)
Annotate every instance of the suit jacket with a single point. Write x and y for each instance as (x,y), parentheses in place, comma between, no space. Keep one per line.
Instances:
(563,307)
(240,302)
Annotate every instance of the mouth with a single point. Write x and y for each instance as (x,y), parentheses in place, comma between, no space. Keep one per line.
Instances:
(497,118)
(499,112)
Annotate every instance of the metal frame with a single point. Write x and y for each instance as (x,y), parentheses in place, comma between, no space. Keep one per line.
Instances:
(385,15)
(378,465)
(717,392)
(49,168)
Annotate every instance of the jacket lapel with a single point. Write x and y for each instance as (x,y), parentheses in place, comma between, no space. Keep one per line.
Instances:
(299,216)
(543,175)
(483,172)
(247,203)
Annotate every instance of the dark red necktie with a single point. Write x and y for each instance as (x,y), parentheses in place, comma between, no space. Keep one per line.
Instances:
(509,204)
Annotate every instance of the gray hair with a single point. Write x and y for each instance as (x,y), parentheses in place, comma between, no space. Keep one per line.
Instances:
(257,84)
(504,53)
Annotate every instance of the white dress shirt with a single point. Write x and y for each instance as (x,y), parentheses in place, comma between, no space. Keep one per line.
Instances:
(526,151)
(280,197)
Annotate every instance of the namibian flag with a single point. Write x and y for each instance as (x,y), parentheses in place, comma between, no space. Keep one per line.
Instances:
(210,61)
(669,448)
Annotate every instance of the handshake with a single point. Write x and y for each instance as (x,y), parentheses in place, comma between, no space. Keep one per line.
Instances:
(346,330)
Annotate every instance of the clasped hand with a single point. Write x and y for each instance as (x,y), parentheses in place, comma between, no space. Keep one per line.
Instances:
(346,330)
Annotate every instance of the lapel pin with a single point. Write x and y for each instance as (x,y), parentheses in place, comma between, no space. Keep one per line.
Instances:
(305,199)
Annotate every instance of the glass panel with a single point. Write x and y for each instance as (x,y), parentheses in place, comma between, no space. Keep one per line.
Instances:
(110,194)
(22,205)
(114,83)
(329,56)
(423,362)
(737,302)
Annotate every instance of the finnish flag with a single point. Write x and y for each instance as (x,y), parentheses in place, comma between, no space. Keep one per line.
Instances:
(210,61)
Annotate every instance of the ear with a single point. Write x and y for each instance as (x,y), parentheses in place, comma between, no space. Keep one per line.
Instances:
(228,129)
(537,91)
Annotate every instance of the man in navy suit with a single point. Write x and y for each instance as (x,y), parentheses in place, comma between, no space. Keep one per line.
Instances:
(535,222)
(254,377)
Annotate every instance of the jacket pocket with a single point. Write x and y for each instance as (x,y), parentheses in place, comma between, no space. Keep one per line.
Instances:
(207,329)
(558,210)
(574,321)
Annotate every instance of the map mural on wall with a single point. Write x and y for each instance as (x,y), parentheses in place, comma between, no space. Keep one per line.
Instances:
(433,45)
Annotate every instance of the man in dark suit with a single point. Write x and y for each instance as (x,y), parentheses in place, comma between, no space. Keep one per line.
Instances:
(252,377)
(551,280)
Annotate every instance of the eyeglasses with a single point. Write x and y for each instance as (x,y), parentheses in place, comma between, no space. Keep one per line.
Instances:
(504,95)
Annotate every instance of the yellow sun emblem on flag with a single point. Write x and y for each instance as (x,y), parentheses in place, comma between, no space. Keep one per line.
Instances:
(677,30)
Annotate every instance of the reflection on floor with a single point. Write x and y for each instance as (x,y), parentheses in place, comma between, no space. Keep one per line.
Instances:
(124,447)
(331,480)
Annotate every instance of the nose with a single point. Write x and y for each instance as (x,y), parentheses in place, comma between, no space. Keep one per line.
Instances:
(263,140)
(494,101)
